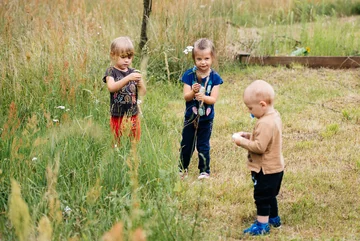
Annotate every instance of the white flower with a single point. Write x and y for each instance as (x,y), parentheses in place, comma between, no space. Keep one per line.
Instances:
(139,102)
(60,107)
(34,159)
(188,49)
(55,120)
(67,210)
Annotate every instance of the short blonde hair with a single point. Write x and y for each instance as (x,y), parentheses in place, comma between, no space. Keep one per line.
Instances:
(202,44)
(260,90)
(121,47)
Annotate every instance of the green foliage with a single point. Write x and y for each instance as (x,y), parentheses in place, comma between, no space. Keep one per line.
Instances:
(355,9)
(305,144)
(54,122)
(330,131)
(309,10)
(346,114)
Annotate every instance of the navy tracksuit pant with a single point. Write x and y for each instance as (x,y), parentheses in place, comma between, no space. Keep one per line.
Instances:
(199,138)
(266,188)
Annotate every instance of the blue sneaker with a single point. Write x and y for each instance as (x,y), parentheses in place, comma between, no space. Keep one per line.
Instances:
(258,229)
(183,174)
(275,222)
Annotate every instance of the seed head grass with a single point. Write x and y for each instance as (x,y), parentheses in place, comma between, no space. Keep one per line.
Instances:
(55,139)
(45,229)
(19,214)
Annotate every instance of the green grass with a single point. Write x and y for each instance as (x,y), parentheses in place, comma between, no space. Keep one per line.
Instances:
(54,54)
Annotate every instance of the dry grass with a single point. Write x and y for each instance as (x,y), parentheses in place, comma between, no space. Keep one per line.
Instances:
(321,149)
(54,55)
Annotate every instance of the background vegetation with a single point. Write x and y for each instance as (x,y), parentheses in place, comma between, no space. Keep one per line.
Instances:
(60,178)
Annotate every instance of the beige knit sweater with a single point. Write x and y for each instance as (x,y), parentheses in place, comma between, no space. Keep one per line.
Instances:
(265,145)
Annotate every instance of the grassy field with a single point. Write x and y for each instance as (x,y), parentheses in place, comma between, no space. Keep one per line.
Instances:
(60,178)
(320,111)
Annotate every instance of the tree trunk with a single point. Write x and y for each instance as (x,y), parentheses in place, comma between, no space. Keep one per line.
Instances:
(146,15)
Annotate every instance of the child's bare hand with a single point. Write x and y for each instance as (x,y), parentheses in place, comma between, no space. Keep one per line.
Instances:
(135,77)
(245,135)
(237,139)
(196,87)
(199,96)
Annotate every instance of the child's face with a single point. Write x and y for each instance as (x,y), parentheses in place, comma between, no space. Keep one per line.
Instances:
(203,59)
(122,62)
(256,107)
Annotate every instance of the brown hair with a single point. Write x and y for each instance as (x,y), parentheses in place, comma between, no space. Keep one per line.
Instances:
(121,47)
(202,44)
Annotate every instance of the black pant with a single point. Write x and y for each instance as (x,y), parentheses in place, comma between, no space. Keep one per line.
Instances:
(200,138)
(266,188)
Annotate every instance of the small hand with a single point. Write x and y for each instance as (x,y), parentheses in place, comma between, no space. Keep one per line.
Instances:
(135,77)
(237,139)
(245,135)
(196,87)
(140,82)
(199,96)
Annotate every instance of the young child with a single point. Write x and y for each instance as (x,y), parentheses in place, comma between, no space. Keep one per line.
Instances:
(201,90)
(265,159)
(124,84)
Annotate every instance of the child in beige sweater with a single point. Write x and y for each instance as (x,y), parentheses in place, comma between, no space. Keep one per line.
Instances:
(265,159)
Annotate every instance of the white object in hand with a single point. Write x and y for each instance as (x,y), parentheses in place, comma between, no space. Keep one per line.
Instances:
(202,89)
(236,136)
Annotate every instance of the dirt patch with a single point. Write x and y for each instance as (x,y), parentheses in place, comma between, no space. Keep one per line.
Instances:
(348,102)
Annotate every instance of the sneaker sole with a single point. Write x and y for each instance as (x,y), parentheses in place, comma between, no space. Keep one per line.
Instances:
(275,226)
(203,177)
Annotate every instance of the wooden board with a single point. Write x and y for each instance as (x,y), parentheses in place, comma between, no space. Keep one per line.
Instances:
(332,62)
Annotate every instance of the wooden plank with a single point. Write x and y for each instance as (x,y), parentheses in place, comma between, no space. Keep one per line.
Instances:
(333,62)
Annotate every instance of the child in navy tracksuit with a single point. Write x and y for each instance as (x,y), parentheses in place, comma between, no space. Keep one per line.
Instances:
(201,89)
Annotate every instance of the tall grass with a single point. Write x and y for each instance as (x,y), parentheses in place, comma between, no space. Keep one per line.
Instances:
(56,155)
(279,39)
(70,173)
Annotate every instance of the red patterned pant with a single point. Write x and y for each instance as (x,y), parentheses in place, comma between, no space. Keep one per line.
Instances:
(121,125)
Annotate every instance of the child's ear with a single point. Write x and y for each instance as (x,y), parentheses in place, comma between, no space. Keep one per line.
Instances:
(263,103)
